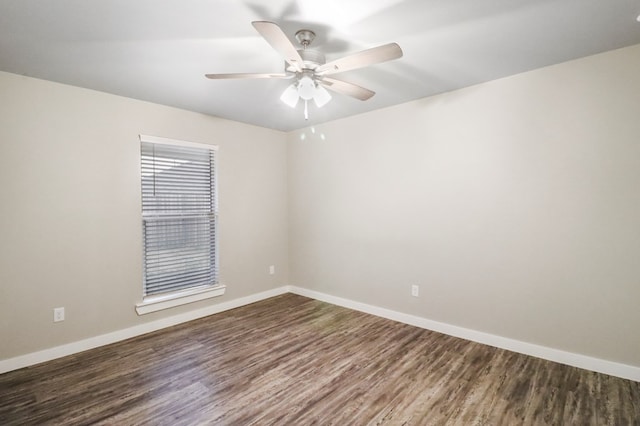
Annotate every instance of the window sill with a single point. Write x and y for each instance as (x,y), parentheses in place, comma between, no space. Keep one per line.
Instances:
(166,301)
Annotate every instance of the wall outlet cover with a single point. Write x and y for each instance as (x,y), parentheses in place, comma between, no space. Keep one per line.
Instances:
(58,314)
(415,290)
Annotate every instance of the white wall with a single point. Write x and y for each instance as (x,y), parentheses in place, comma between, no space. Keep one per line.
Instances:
(70,224)
(515,205)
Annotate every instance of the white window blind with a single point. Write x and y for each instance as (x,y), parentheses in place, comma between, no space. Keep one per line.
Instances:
(179,216)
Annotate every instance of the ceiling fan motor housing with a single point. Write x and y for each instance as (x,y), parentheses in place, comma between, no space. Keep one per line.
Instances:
(311,58)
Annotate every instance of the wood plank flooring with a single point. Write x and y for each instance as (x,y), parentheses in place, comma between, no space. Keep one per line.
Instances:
(293,360)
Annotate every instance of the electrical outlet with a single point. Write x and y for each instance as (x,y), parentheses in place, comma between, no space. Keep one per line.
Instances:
(415,290)
(272,269)
(58,314)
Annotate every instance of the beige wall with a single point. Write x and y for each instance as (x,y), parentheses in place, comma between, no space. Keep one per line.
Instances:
(514,205)
(70,224)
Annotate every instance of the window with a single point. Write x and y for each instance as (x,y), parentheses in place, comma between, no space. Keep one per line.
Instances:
(179,222)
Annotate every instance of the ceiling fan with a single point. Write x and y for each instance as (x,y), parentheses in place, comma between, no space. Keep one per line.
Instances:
(310,70)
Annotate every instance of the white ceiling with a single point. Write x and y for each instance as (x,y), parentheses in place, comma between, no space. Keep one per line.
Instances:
(159,50)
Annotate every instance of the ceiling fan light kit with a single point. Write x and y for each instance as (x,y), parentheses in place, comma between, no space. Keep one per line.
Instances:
(310,70)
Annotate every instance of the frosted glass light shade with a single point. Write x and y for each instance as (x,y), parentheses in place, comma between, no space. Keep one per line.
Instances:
(306,88)
(321,96)
(290,96)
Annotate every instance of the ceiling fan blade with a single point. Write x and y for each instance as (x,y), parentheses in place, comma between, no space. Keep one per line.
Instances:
(361,59)
(345,88)
(247,75)
(278,40)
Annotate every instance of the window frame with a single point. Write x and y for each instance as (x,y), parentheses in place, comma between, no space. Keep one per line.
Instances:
(159,301)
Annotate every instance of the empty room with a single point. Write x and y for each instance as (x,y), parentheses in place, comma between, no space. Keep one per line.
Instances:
(418,212)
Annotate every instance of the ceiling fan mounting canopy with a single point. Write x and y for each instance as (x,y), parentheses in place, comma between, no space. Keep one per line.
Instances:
(305,37)
(310,69)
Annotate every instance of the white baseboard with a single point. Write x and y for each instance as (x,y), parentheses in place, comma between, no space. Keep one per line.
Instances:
(575,360)
(116,336)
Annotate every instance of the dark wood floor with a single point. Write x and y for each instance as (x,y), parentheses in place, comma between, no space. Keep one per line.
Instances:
(293,360)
